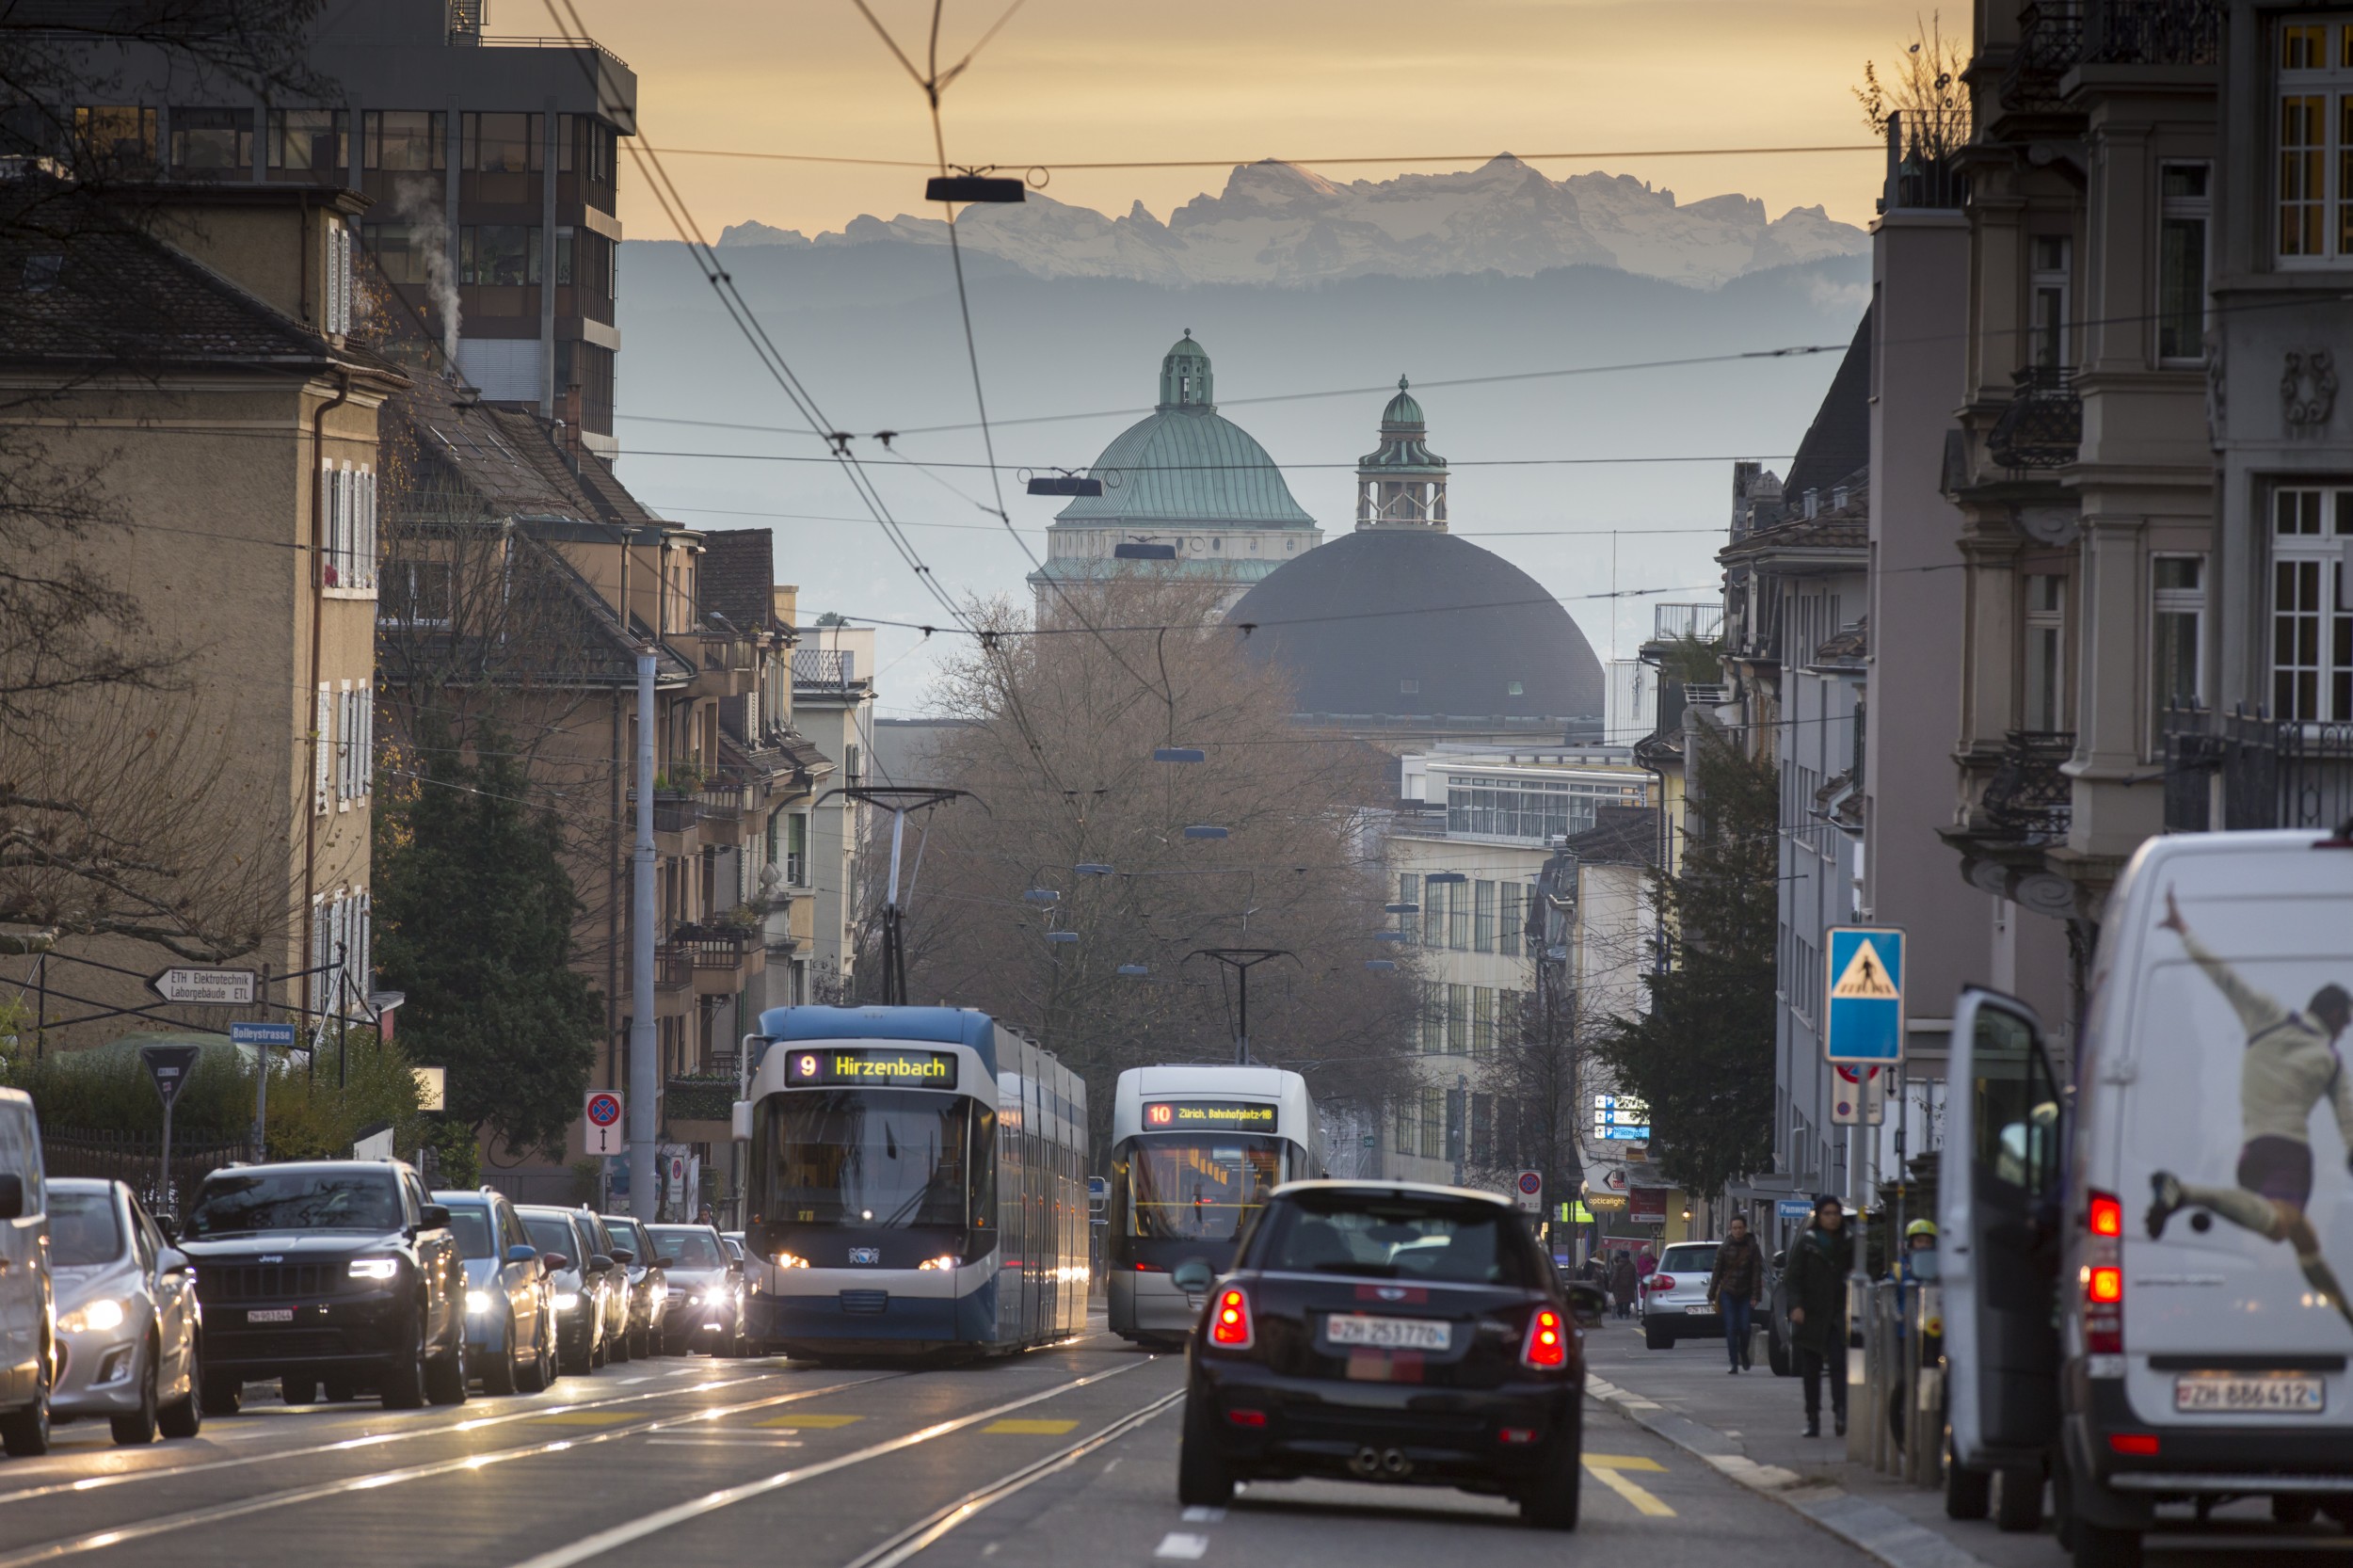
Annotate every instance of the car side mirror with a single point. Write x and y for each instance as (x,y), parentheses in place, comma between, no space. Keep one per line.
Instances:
(433,1216)
(521,1253)
(1585,1305)
(1193,1276)
(600,1264)
(1780,1260)
(552,1261)
(624,1257)
(11,1196)
(171,1260)
(665,1262)
(170,1227)
(740,1116)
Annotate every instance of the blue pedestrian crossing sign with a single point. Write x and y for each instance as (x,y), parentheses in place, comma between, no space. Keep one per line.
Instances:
(1864,1010)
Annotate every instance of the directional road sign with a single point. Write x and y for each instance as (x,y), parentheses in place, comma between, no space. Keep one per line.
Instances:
(262,1034)
(602,1112)
(230,987)
(1621,1117)
(1864,967)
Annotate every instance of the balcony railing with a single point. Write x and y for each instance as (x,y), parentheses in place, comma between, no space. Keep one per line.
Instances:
(2153,32)
(676,810)
(2050,44)
(2275,773)
(713,947)
(826,668)
(1673,622)
(673,968)
(2028,798)
(2043,426)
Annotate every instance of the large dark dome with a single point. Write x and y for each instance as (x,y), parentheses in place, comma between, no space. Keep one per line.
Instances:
(1413,623)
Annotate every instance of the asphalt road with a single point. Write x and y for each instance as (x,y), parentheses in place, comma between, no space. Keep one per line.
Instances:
(1063,1456)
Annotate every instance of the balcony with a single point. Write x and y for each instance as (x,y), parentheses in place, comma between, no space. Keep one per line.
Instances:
(701,1097)
(1674,622)
(721,813)
(721,960)
(826,672)
(673,968)
(2043,426)
(2153,32)
(2275,773)
(726,662)
(2050,44)
(2028,800)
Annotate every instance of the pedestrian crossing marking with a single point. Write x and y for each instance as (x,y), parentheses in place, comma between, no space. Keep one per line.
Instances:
(811,1421)
(1605,1468)
(581,1418)
(1865,978)
(1031,1428)
(1623,1462)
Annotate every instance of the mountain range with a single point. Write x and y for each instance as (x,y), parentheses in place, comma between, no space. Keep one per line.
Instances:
(1276,223)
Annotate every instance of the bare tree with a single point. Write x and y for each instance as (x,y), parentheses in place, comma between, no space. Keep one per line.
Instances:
(1925,87)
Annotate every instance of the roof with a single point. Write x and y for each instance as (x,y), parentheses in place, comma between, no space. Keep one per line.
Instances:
(1839,440)
(1621,835)
(1413,623)
(738,576)
(1847,646)
(1404,445)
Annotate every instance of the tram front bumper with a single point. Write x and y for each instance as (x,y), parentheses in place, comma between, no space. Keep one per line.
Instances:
(841,1308)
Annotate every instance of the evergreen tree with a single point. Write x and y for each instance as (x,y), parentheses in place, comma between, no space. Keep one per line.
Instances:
(1701,1058)
(473,920)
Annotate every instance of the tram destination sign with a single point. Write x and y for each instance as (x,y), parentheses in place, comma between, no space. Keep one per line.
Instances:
(901,1069)
(1223,1116)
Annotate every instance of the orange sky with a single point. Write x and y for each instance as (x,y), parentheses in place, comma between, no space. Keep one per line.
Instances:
(1095,80)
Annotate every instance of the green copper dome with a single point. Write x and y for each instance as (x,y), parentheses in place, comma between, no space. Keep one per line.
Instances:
(1403,408)
(1186,465)
(1405,441)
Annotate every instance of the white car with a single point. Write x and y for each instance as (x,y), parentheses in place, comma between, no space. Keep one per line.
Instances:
(1674,1298)
(130,1335)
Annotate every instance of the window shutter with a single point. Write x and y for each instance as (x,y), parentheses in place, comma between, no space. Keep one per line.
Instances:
(364,939)
(365,784)
(367,530)
(331,526)
(322,948)
(322,750)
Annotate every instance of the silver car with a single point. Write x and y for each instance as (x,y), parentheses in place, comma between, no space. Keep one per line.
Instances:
(1674,1298)
(130,1334)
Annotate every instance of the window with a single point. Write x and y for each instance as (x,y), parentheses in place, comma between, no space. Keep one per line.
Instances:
(2047,315)
(498,253)
(404,140)
(2176,617)
(1408,688)
(340,959)
(118,136)
(1512,688)
(2316,124)
(1408,891)
(1482,917)
(315,141)
(1511,917)
(797,850)
(322,750)
(1458,915)
(1431,1030)
(2042,707)
(2311,617)
(350,532)
(212,140)
(564,254)
(355,744)
(414,593)
(851,760)
(1482,1021)
(1434,1124)
(2181,261)
(501,143)
(1458,1019)
(1482,1129)
(1434,914)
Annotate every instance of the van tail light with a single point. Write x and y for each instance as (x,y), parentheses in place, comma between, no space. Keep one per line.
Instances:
(1546,1348)
(1229,1322)
(2141,1445)
(1150,1269)
(2102,1277)
(1660,1281)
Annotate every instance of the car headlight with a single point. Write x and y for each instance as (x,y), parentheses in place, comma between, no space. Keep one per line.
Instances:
(477,1300)
(94,1317)
(945,1262)
(567,1299)
(790,1260)
(375,1267)
(716,1298)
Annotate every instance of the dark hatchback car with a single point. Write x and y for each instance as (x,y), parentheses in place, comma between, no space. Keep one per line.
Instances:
(1392,1333)
(339,1273)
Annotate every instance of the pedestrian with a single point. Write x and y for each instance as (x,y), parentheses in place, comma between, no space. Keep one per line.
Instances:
(1818,1263)
(1735,1287)
(1623,1282)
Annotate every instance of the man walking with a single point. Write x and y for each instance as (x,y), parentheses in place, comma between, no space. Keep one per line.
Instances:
(1819,1265)
(1736,1287)
(2291,1064)
(1622,1284)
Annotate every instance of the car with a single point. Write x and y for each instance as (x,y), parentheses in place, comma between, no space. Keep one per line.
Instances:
(130,1335)
(648,1285)
(1674,1298)
(580,1282)
(1387,1332)
(333,1271)
(734,1239)
(706,1307)
(618,1293)
(510,1326)
(27,1299)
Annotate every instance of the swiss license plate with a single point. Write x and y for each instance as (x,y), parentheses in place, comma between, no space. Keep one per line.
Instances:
(1388,1334)
(2286,1393)
(1701,1309)
(269,1314)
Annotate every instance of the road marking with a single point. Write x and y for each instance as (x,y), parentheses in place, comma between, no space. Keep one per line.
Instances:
(1198,1515)
(813,1422)
(1032,1429)
(581,1418)
(1183,1547)
(612,1539)
(724,1440)
(1623,1462)
(1599,1467)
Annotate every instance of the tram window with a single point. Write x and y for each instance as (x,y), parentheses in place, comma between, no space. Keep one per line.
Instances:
(1200,1191)
(885,1157)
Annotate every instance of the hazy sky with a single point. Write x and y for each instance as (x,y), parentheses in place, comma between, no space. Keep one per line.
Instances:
(1232,80)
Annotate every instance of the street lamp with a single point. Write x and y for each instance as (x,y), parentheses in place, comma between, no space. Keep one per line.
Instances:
(1242,961)
(1179,754)
(1382,963)
(1091,868)
(1202,830)
(1134,970)
(1041,895)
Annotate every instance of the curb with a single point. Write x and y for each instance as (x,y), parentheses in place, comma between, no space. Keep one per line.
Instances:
(1871,1527)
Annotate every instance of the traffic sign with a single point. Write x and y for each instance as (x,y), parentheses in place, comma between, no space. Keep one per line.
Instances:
(602,1112)
(1857,1096)
(1794,1208)
(1531,1195)
(262,1034)
(231,987)
(170,1066)
(1865,967)
(1621,1117)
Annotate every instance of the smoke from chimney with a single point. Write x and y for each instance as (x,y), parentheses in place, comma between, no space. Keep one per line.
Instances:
(428,235)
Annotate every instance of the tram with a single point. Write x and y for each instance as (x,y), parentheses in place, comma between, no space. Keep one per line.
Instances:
(1195,1153)
(915,1181)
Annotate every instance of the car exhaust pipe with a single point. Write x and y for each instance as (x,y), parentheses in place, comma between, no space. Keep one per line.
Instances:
(1366,1462)
(1395,1463)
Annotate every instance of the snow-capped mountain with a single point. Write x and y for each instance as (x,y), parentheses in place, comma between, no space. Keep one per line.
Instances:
(1277,223)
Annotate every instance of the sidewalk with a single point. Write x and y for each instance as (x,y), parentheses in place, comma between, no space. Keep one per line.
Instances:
(1749,1428)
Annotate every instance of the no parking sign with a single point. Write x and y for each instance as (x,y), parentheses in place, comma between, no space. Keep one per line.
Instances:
(602,1112)
(1530,1193)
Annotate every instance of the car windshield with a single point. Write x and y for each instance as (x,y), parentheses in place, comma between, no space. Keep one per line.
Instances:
(83,1228)
(1394,1236)
(693,1247)
(549,1233)
(1199,1188)
(882,1158)
(238,1202)
(1697,1258)
(471,1224)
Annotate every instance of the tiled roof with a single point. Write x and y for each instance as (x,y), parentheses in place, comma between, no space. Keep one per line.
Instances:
(738,576)
(1621,835)
(1849,645)
(1839,441)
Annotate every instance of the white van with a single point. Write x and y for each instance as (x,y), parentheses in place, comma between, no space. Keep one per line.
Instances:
(27,1308)
(2189,1203)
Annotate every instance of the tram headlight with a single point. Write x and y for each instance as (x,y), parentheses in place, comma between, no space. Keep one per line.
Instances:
(790,1260)
(946,1262)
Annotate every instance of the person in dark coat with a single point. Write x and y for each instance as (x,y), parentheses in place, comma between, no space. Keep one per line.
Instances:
(1819,1262)
(1735,1287)
(1623,1282)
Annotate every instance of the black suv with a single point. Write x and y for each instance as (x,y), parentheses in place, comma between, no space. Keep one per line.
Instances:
(336,1272)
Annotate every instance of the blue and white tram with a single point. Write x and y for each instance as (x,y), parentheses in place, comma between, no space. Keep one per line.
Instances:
(916,1181)
(1195,1152)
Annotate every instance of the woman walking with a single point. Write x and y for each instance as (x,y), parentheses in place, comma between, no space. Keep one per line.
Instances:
(1736,1289)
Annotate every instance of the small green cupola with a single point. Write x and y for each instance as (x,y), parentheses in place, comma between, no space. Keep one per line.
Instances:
(1403,484)
(1185,377)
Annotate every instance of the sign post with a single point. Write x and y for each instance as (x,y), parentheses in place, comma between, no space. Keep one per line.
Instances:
(262,1037)
(170,1066)
(1528,1193)
(602,1113)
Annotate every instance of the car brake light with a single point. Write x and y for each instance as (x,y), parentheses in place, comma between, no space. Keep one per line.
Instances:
(1229,1322)
(1514,1436)
(2104,1280)
(2142,1443)
(1661,1282)
(1547,1344)
(1246,1417)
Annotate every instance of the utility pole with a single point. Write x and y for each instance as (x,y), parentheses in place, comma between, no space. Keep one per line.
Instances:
(645,1078)
(898,800)
(1242,961)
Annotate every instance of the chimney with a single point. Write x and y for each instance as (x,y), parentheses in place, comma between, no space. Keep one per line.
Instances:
(568,423)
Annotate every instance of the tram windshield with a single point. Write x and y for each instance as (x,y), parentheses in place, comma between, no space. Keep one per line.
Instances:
(1189,1189)
(872,1158)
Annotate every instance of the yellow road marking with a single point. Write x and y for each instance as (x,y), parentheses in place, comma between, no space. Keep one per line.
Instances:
(581,1419)
(1032,1429)
(1623,1462)
(814,1423)
(1605,1471)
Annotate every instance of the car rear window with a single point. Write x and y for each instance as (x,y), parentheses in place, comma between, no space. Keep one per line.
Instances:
(1694,1258)
(1395,1236)
(552,1234)
(471,1224)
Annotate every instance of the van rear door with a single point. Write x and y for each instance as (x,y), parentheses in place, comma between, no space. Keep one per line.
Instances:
(1997,1193)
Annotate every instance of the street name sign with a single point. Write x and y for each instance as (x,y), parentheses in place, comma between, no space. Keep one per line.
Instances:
(1864,970)
(228,988)
(1794,1208)
(262,1034)
(602,1112)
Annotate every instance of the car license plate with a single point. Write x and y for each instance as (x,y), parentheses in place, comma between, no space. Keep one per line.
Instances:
(1700,1308)
(269,1314)
(1388,1334)
(2289,1393)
